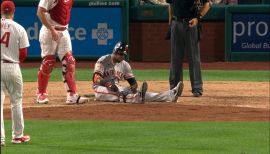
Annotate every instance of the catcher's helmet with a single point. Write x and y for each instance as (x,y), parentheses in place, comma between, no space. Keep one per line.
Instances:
(120,48)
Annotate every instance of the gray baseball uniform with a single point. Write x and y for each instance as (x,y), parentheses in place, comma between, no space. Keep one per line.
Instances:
(122,71)
(13,37)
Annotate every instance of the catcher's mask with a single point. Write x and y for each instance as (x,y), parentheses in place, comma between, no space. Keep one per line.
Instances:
(120,48)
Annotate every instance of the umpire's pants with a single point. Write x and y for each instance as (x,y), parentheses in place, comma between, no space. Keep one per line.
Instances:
(185,38)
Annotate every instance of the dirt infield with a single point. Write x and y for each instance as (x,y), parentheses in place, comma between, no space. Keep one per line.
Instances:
(222,101)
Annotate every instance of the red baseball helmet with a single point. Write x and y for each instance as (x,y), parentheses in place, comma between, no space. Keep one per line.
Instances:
(7,6)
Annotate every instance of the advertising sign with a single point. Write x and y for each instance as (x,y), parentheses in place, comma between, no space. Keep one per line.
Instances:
(247,33)
(250,32)
(93,30)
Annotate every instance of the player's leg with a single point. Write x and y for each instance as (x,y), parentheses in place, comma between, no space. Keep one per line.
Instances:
(16,108)
(68,72)
(165,96)
(44,72)
(139,96)
(103,94)
(68,69)
(14,88)
(48,48)
(2,114)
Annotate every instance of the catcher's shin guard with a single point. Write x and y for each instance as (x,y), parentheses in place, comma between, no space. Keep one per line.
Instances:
(68,73)
(44,73)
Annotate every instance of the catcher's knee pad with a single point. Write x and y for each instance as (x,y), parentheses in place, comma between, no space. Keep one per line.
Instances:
(68,63)
(47,64)
(44,73)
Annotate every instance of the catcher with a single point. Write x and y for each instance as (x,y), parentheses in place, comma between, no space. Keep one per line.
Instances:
(112,68)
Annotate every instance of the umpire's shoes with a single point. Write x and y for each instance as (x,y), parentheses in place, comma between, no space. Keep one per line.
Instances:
(76,99)
(42,98)
(177,91)
(22,139)
(197,92)
(143,90)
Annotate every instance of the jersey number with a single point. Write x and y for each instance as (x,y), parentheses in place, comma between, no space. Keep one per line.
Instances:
(5,39)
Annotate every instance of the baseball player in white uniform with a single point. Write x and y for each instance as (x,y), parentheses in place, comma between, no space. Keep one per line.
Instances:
(54,38)
(14,43)
(112,68)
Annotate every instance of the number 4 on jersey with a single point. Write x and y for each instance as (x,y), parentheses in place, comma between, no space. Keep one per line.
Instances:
(5,39)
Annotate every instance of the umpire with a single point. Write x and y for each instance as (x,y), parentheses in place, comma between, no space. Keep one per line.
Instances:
(184,20)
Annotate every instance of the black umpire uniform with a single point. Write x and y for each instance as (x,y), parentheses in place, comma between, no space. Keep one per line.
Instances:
(184,37)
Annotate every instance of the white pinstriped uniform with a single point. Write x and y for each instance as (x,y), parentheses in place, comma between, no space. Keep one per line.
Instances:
(122,71)
(47,44)
(11,77)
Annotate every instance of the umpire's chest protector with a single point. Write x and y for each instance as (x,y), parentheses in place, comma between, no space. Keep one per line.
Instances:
(61,12)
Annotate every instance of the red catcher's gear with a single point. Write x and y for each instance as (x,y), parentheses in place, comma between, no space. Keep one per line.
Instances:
(61,12)
(44,73)
(68,64)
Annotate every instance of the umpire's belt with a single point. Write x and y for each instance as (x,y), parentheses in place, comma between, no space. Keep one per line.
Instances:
(181,19)
(60,28)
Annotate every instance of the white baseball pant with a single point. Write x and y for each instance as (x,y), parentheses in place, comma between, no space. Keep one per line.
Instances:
(104,94)
(50,47)
(11,81)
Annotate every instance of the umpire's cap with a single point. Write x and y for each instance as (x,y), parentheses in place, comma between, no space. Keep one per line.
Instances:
(120,48)
(7,6)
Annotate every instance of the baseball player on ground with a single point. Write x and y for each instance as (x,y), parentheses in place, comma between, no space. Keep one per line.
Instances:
(14,43)
(54,37)
(112,68)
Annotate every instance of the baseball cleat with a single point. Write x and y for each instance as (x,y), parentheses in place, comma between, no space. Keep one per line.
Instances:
(76,99)
(23,139)
(177,91)
(42,98)
(143,90)
(2,143)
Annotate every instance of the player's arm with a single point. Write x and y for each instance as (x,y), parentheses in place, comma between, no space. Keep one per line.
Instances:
(205,8)
(23,44)
(98,73)
(169,10)
(41,13)
(133,84)
(129,76)
(99,80)
(42,17)
(22,54)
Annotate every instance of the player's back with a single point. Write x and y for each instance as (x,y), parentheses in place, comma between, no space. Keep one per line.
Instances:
(11,34)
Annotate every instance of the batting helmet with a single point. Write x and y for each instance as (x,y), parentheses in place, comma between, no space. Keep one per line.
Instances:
(120,48)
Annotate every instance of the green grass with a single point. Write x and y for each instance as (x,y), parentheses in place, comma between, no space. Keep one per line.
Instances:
(72,137)
(103,137)
(30,75)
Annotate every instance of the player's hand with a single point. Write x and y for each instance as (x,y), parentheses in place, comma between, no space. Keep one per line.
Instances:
(111,85)
(55,35)
(193,22)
